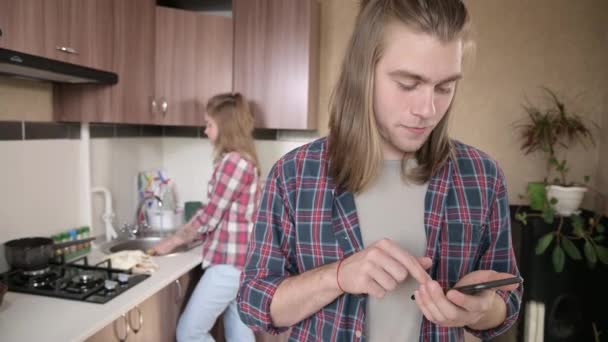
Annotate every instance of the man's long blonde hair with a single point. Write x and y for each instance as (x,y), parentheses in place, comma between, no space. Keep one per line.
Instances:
(235,126)
(355,145)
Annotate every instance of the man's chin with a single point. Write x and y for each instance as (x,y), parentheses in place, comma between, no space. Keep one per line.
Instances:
(409,146)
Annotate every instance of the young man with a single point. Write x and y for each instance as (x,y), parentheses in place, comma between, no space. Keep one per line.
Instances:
(351,226)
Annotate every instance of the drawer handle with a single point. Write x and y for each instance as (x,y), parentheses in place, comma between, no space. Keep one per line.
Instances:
(178,298)
(67,49)
(140,320)
(122,339)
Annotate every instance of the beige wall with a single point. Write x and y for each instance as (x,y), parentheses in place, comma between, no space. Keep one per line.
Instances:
(25,100)
(521,45)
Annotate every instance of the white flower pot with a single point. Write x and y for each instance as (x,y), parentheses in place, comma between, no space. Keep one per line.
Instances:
(569,198)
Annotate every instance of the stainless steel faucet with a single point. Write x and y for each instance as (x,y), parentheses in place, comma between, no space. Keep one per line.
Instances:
(140,225)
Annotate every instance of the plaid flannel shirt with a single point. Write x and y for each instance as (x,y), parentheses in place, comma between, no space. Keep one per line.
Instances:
(304,222)
(226,220)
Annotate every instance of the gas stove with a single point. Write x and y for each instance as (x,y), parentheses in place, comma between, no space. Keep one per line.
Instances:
(76,280)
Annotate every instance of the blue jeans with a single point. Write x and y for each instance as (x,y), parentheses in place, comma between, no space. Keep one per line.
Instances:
(214,294)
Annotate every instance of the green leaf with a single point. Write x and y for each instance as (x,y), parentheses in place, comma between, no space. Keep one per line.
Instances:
(577,224)
(553,201)
(571,249)
(599,238)
(543,243)
(537,196)
(553,161)
(556,180)
(602,254)
(522,217)
(590,253)
(558,259)
(548,215)
(587,179)
(601,228)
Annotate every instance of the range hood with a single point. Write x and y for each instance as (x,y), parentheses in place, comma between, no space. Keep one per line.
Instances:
(23,65)
(198,5)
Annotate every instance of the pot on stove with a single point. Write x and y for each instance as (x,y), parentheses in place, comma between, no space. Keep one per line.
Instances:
(35,252)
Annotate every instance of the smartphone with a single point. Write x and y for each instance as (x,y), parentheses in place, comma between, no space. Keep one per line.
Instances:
(476,288)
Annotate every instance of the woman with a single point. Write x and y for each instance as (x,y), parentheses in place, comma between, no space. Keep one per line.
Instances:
(224,223)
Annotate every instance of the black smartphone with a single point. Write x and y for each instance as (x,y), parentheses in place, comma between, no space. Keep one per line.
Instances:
(476,288)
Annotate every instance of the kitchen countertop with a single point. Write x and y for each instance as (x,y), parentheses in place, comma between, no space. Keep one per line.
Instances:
(25,317)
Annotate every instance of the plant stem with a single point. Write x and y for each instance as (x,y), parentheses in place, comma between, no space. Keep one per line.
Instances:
(559,226)
(596,334)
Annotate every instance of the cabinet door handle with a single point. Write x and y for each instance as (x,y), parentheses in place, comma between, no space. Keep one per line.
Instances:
(122,339)
(67,49)
(178,298)
(164,106)
(140,320)
(154,106)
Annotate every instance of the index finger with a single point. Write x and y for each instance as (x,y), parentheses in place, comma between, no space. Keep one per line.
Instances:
(407,260)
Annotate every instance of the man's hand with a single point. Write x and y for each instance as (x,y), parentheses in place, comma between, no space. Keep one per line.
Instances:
(455,309)
(379,268)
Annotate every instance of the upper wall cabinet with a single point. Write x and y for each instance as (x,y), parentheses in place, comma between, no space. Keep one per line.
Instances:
(129,101)
(193,63)
(73,31)
(276,60)
(169,63)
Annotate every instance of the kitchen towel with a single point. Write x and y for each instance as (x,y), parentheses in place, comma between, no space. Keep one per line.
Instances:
(136,261)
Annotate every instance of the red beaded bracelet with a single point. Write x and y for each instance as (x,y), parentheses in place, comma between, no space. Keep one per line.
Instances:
(337,272)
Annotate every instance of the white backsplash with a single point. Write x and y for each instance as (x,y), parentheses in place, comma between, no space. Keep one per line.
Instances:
(190,162)
(40,178)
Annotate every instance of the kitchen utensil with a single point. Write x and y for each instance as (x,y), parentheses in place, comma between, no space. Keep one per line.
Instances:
(34,252)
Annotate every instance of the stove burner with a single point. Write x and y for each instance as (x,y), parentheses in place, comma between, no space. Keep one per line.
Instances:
(39,282)
(93,284)
(35,273)
(85,278)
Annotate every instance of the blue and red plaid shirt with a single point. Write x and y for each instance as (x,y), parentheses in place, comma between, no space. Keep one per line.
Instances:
(304,222)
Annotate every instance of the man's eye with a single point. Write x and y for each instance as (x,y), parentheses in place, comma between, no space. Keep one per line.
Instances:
(407,87)
(444,90)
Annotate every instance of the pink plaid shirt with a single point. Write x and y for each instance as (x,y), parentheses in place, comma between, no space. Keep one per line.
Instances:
(226,220)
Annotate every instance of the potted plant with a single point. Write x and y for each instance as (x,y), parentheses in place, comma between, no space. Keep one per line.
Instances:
(549,130)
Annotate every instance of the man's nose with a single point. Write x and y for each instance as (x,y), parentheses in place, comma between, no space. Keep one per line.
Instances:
(423,103)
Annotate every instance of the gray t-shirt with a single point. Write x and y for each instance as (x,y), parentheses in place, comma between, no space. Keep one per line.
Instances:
(392,209)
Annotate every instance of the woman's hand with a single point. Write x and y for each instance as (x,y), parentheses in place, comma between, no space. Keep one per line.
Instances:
(455,309)
(186,234)
(165,246)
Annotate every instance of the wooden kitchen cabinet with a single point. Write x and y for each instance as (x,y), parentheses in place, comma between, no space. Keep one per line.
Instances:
(193,63)
(159,314)
(26,26)
(88,31)
(73,31)
(130,100)
(276,60)
(169,63)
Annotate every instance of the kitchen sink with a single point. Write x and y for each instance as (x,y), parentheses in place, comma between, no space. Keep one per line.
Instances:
(141,244)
